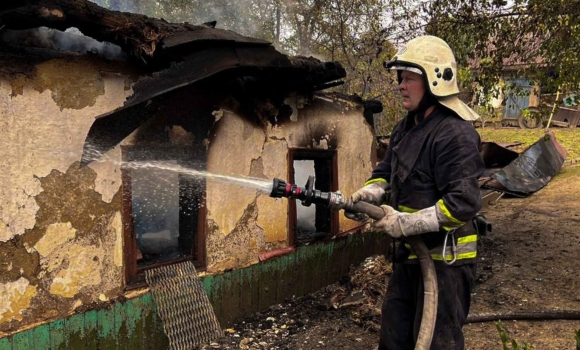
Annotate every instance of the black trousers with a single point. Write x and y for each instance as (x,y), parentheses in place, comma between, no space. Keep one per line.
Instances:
(403,307)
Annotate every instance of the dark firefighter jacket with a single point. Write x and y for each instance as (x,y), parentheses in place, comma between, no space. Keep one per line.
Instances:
(436,162)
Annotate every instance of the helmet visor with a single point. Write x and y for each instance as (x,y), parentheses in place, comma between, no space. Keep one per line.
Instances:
(407,68)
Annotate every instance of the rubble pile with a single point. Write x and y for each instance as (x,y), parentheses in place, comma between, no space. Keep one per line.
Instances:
(367,289)
(355,299)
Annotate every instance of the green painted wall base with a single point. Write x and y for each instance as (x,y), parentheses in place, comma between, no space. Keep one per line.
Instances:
(309,268)
(134,324)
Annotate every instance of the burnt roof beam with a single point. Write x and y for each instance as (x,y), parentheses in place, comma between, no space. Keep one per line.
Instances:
(138,35)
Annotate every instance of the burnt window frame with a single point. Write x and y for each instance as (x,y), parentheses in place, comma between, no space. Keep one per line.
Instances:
(311,154)
(134,275)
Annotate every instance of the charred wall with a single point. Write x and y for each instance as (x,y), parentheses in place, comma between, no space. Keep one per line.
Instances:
(61,226)
(243,222)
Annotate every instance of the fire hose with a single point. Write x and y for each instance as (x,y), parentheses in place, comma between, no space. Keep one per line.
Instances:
(335,201)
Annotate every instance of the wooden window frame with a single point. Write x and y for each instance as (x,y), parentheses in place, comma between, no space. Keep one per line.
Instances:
(134,274)
(311,154)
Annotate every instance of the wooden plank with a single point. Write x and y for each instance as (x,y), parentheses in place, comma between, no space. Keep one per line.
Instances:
(40,337)
(120,332)
(269,284)
(346,255)
(235,293)
(207,285)
(76,331)
(92,335)
(358,250)
(134,309)
(161,340)
(58,335)
(284,290)
(255,287)
(217,295)
(246,306)
(265,292)
(326,255)
(313,265)
(272,281)
(106,329)
(6,343)
(560,124)
(290,275)
(228,302)
(21,341)
(334,267)
(149,326)
(298,273)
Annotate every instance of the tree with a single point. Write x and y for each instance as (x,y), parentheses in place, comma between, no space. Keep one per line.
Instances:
(541,37)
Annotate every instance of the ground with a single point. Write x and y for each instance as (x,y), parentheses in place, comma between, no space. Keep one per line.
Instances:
(529,262)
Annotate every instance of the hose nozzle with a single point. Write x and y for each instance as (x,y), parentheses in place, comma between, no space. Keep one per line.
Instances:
(307,194)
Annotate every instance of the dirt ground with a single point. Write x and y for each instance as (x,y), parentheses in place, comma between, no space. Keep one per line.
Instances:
(530,262)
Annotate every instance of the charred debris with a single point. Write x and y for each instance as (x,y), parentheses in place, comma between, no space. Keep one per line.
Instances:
(164,57)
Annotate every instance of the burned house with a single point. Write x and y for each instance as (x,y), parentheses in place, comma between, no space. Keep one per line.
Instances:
(91,198)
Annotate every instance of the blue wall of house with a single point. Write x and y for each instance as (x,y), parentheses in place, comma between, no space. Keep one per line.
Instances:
(517,102)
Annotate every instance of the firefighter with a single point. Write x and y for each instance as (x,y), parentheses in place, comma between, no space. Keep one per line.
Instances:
(430,173)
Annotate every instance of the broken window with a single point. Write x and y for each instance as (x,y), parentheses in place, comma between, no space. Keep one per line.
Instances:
(163,209)
(308,224)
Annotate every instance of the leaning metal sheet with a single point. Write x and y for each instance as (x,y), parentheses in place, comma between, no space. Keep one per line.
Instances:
(183,306)
(534,168)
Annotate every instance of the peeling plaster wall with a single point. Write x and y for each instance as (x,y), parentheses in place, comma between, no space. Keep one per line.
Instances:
(60,226)
(331,125)
(233,237)
(242,222)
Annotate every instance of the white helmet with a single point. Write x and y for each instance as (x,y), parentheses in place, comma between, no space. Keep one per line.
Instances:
(432,57)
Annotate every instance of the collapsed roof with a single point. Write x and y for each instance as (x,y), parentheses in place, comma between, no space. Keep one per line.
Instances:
(177,54)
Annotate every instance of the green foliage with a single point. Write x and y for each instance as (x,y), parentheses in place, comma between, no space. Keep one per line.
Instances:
(536,39)
(577,333)
(509,343)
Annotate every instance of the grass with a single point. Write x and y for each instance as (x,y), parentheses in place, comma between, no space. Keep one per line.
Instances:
(508,342)
(568,172)
(569,139)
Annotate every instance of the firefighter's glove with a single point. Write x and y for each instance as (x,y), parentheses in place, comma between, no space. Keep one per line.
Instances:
(373,193)
(397,224)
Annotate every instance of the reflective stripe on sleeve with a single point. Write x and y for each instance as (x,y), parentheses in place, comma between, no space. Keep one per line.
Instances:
(405,209)
(378,179)
(447,214)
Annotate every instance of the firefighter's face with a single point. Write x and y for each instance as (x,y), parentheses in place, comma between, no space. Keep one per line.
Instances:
(412,88)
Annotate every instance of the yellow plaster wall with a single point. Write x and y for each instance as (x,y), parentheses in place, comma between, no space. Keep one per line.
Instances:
(60,226)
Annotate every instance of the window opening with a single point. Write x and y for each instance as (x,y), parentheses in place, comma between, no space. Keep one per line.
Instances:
(309,224)
(164,210)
